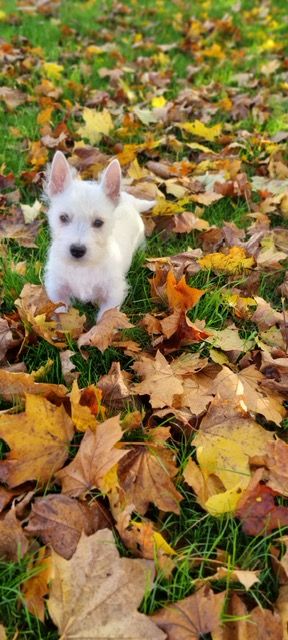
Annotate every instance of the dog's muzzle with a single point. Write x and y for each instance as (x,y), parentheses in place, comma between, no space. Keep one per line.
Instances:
(77,250)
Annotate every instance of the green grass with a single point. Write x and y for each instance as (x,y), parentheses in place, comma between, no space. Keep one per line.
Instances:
(196,535)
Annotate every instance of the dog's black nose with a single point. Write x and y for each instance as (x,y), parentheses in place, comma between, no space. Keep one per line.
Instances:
(77,250)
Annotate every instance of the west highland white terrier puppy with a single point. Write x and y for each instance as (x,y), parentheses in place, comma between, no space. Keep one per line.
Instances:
(96,229)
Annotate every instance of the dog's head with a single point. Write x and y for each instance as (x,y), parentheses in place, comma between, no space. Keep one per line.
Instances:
(82,214)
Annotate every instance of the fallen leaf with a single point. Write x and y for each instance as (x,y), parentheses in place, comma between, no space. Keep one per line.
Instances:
(199,129)
(235,261)
(258,511)
(192,617)
(13,98)
(159,382)
(14,385)
(180,295)
(105,589)
(13,542)
(97,124)
(59,521)
(96,456)
(30,213)
(145,474)
(86,407)
(36,588)
(246,387)
(38,439)
(102,334)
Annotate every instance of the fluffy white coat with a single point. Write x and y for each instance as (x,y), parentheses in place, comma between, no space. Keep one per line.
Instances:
(99,221)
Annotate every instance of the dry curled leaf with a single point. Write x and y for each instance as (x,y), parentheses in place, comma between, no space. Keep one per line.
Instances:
(102,334)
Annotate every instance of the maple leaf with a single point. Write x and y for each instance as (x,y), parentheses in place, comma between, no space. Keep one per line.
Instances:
(180,295)
(38,314)
(159,382)
(257,509)
(115,386)
(196,615)
(96,456)
(14,227)
(233,262)
(59,520)
(224,443)
(13,542)
(30,213)
(14,384)
(146,472)
(144,540)
(245,386)
(86,406)
(8,339)
(38,439)
(97,124)
(12,97)
(36,588)
(53,70)
(106,591)
(276,461)
(199,129)
(102,334)
(258,624)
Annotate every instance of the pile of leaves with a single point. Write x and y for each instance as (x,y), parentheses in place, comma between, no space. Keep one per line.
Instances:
(144,459)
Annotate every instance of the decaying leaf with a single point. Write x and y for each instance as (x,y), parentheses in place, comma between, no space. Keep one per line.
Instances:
(146,473)
(102,334)
(192,617)
(105,589)
(59,521)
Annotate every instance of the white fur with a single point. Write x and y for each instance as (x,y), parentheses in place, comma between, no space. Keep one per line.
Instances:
(100,275)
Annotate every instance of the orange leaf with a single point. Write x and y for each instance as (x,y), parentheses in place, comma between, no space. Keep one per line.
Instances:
(180,295)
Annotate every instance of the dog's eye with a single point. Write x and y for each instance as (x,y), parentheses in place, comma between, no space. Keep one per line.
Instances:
(97,223)
(64,218)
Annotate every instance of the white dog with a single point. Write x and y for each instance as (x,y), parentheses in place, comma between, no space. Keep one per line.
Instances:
(96,229)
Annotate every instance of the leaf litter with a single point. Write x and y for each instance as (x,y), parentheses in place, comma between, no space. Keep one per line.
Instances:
(181,397)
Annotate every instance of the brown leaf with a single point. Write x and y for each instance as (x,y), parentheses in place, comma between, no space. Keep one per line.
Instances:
(159,382)
(86,407)
(245,387)
(115,387)
(12,97)
(104,589)
(14,228)
(96,456)
(258,512)
(13,542)
(38,314)
(59,521)
(102,334)
(38,439)
(145,475)
(192,617)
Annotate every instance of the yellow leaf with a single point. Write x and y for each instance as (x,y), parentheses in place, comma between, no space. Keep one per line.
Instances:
(225,502)
(162,545)
(97,124)
(214,52)
(198,128)
(158,102)
(52,70)
(233,262)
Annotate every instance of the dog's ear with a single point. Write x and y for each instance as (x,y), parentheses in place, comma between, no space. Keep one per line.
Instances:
(60,176)
(144,205)
(111,181)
